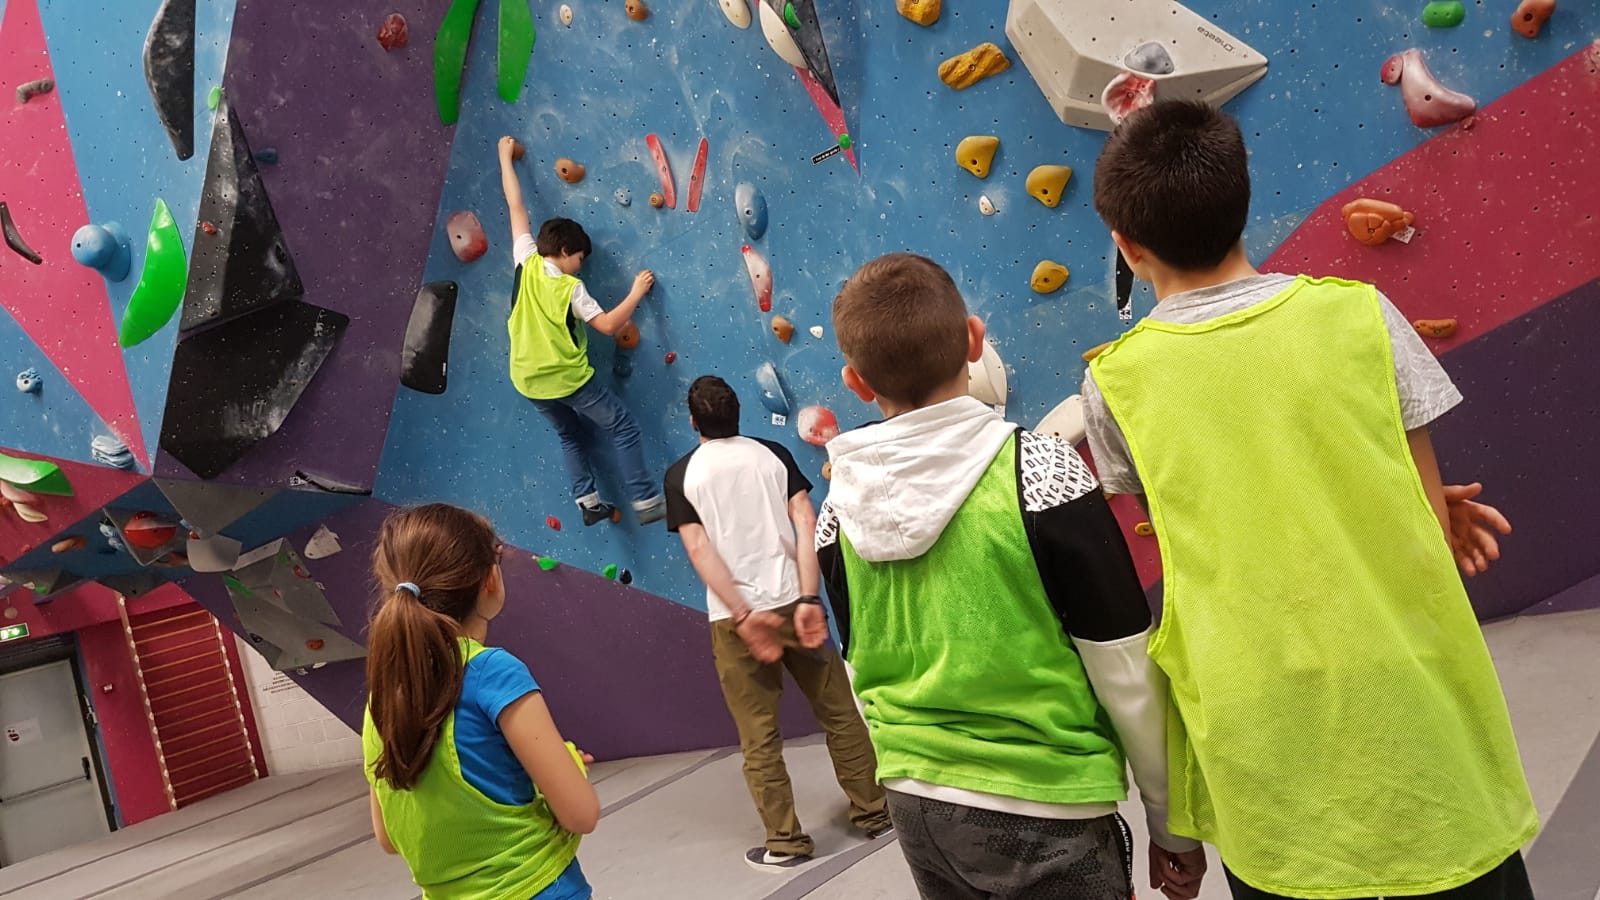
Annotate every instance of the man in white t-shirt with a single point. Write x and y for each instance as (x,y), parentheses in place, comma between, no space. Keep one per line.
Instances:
(738,503)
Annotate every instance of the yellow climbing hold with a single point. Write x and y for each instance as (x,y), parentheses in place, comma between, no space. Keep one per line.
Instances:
(976,153)
(1144,529)
(1096,350)
(1049,276)
(1048,183)
(922,12)
(971,67)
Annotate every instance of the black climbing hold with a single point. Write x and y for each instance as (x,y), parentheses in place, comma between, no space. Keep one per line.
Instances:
(249,267)
(169,71)
(425,360)
(1151,58)
(328,485)
(807,36)
(1124,289)
(625,576)
(232,386)
(267,156)
(13,239)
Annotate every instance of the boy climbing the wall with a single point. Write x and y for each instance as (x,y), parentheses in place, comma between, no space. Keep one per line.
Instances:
(992,616)
(1337,726)
(549,358)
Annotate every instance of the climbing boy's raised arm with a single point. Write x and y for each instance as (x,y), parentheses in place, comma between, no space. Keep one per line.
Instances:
(512,186)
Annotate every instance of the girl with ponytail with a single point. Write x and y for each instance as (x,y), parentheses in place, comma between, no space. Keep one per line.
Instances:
(471,782)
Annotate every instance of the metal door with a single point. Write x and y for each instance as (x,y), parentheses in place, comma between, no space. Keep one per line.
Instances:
(50,796)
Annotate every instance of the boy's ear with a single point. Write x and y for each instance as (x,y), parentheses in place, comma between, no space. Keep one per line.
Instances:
(858,386)
(1132,252)
(692,423)
(975,333)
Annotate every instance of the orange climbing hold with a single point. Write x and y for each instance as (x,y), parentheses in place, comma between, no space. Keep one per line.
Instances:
(1096,350)
(1374,221)
(76,542)
(971,67)
(1531,15)
(314,644)
(783,329)
(922,12)
(1435,328)
(394,34)
(1144,529)
(627,337)
(518,151)
(637,11)
(569,171)
(657,201)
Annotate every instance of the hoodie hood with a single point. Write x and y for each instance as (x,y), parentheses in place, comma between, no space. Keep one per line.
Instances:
(898,483)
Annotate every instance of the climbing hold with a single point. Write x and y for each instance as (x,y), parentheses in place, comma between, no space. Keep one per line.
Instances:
(450,58)
(513,48)
(1435,328)
(553,522)
(29,382)
(817,425)
(636,10)
(790,17)
(169,71)
(10,493)
(737,11)
(314,644)
(1049,276)
(985,205)
(760,277)
(668,190)
(657,201)
(14,239)
(109,451)
(610,571)
(816,332)
(1374,221)
(623,197)
(104,248)
(1126,94)
(774,396)
(782,328)
(36,475)
(627,337)
(208,228)
(161,282)
(32,89)
(1144,529)
(393,33)
(697,177)
(28,513)
(844,141)
(1443,14)
(671,357)
(779,37)
(149,531)
(976,153)
(752,209)
(466,236)
(1428,102)
(827,470)
(425,355)
(1531,15)
(214,97)
(546,563)
(922,12)
(1096,350)
(569,171)
(971,67)
(1065,421)
(986,379)
(1047,183)
(67,545)
(267,156)
(625,576)
(518,151)
(1151,58)
(565,15)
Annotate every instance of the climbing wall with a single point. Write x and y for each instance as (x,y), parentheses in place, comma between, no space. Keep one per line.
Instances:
(309,173)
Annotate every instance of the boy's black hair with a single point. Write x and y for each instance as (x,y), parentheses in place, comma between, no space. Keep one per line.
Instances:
(715,407)
(559,236)
(1174,178)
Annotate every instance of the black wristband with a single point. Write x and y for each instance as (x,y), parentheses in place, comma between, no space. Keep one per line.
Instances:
(812,599)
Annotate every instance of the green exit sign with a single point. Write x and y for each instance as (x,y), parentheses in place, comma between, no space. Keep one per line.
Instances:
(13,632)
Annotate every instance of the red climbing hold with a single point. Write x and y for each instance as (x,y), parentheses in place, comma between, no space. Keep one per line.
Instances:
(553,522)
(466,236)
(394,34)
(671,357)
(314,644)
(148,531)
(208,228)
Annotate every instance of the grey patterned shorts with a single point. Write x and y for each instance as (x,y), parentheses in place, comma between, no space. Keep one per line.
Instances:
(962,853)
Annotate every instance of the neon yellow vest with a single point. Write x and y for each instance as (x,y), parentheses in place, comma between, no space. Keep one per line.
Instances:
(1337,728)
(459,844)
(549,348)
(966,677)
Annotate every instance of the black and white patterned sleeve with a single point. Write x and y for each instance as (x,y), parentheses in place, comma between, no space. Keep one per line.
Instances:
(830,557)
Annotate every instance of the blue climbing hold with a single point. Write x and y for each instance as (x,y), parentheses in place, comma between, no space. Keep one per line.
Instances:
(29,382)
(752,209)
(267,156)
(774,396)
(104,248)
(109,451)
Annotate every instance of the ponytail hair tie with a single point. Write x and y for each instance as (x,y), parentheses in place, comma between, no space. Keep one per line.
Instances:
(409,588)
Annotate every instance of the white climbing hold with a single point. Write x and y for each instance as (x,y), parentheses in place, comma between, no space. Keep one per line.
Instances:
(737,11)
(816,332)
(986,379)
(778,37)
(566,15)
(985,205)
(322,544)
(1065,421)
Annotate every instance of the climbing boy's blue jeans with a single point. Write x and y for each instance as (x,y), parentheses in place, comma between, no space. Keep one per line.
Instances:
(594,404)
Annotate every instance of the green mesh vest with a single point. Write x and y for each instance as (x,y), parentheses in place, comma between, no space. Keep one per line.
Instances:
(1337,728)
(549,348)
(965,675)
(459,844)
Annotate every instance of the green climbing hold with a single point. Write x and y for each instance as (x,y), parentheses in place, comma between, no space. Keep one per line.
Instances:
(611,571)
(790,18)
(1443,14)
(517,37)
(161,281)
(36,475)
(844,141)
(450,58)
(546,563)
(236,586)
(214,98)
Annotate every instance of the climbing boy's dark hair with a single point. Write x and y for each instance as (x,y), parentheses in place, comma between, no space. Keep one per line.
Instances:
(1174,178)
(559,236)
(715,407)
(902,325)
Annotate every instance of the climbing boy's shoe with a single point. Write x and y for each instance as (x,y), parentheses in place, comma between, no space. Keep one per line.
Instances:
(652,510)
(597,512)
(767,861)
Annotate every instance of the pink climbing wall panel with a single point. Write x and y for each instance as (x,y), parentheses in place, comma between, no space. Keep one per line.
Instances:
(1507,212)
(92,488)
(61,305)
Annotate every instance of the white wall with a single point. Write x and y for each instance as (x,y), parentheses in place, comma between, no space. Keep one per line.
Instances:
(296,732)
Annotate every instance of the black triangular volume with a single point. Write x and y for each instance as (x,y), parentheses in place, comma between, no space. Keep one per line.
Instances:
(808,37)
(425,360)
(240,262)
(169,71)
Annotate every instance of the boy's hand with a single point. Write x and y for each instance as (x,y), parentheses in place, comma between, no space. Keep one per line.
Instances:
(1177,875)
(508,148)
(1472,528)
(810,625)
(643,282)
(759,631)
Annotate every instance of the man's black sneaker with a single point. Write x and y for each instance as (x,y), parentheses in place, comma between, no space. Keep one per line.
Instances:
(767,861)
